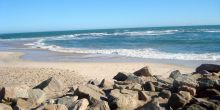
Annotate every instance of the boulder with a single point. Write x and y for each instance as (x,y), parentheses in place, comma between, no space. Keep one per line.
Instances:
(176,101)
(140,79)
(145,71)
(208,93)
(163,80)
(123,99)
(55,107)
(130,86)
(107,84)
(67,101)
(90,92)
(102,105)
(149,86)
(175,74)
(36,96)
(5,107)
(206,83)
(152,105)
(15,92)
(52,87)
(151,94)
(195,107)
(208,67)
(81,104)
(165,94)
(204,72)
(186,80)
(191,90)
(121,76)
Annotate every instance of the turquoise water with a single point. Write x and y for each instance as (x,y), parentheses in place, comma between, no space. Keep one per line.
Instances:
(183,43)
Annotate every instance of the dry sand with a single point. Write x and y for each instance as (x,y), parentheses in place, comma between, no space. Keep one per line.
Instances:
(14,70)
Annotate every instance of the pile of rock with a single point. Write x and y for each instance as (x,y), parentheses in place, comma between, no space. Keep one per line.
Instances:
(126,91)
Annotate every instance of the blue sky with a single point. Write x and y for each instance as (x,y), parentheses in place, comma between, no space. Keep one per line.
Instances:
(48,15)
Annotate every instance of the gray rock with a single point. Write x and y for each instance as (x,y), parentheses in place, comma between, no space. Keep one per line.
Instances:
(121,76)
(185,80)
(206,83)
(15,92)
(175,74)
(67,101)
(102,105)
(36,96)
(123,99)
(165,94)
(176,101)
(145,71)
(52,87)
(208,93)
(208,67)
(195,107)
(81,104)
(90,92)
(130,86)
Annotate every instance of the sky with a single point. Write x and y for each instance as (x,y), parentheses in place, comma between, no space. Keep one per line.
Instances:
(51,15)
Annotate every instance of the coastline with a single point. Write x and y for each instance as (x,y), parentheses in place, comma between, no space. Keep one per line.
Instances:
(14,69)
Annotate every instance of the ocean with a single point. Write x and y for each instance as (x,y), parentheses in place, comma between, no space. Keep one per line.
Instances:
(180,43)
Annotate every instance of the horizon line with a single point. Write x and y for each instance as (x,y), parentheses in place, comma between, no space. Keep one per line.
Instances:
(106,29)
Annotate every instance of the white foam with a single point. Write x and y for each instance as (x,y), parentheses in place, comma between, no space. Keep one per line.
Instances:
(141,53)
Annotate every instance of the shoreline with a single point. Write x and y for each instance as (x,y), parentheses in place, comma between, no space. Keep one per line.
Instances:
(12,66)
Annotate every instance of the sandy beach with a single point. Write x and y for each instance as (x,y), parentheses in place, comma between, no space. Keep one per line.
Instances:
(14,70)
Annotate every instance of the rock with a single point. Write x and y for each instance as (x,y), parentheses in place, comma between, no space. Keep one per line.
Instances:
(107,84)
(52,87)
(208,67)
(5,107)
(143,96)
(208,104)
(102,105)
(165,94)
(191,90)
(123,99)
(24,105)
(141,79)
(94,82)
(195,107)
(90,92)
(206,83)
(81,104)
(208,93)
(185,95)
(120,76)
(151,94)
(55,107)
(67,101)
(175,74)
(130,86)
(176,101)
(164,80)
(149,86)
(36,96)
(152,105)
(145,71)
(185,80)
(15,91)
